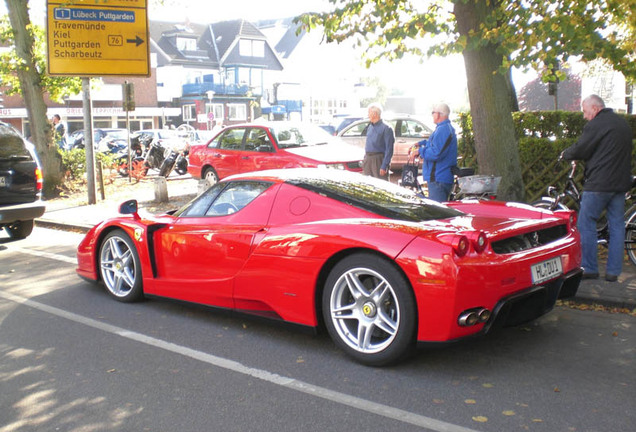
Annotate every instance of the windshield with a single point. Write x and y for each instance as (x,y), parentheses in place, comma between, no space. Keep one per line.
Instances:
(300,135)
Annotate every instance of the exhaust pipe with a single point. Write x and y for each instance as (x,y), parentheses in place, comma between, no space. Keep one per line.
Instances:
(472,317)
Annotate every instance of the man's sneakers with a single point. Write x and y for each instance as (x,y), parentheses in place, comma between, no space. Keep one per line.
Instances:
(611,278)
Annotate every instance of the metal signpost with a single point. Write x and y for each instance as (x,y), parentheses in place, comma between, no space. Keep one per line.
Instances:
(86,38)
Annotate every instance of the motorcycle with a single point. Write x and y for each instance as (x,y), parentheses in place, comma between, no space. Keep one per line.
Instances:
(177,160)
(138,147)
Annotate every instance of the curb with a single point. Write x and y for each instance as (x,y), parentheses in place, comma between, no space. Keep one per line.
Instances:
(45,223)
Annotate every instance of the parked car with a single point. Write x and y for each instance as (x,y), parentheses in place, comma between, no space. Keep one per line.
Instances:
(381,267)
(281,144)
(408,131)
(20,183)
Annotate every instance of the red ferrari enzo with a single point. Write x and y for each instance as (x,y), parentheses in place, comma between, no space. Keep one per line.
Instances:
(375,264)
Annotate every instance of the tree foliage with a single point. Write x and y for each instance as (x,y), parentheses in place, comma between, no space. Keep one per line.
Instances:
(528,33)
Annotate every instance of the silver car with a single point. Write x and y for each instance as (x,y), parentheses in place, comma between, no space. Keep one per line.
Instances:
(408,131)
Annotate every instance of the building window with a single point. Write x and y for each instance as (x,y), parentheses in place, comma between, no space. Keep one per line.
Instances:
(237,112)
(216,109)
(189,112)
(186,44)
(252,48)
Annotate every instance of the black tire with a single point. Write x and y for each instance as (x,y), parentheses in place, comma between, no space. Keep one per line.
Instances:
(182,166)
(369,310)
(166,167)
(120,267)
(210,176)
(549,205)
(20,229)
(630,236)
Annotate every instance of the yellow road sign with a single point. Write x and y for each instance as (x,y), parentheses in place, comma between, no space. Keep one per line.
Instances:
(86,38)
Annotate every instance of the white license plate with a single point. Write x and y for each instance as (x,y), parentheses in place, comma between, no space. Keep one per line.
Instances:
(546,270)
(3,181)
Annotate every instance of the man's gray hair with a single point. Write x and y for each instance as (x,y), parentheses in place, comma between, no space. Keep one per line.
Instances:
(442,108)
(376,107)
(594,100)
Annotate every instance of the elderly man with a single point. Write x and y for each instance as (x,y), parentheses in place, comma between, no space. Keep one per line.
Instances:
(606,148)
(439,153)
(379,145)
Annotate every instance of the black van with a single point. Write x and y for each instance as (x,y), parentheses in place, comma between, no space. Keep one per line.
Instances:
(20,183)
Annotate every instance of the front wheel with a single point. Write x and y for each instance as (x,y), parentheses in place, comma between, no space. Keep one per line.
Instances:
(369,310)
(549,204)
(120,267)
(630,237)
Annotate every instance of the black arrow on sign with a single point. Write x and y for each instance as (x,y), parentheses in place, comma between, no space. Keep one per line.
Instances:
(137,41)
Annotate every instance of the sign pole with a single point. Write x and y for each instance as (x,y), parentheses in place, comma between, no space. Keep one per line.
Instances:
(88,139)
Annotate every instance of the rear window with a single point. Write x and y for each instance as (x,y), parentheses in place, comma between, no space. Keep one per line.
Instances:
(379,197)
(12,145)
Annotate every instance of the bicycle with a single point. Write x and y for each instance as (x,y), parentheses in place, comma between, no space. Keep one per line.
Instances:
(466,185)
(572,191)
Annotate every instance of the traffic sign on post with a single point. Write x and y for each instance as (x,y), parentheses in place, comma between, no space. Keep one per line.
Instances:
(87,38)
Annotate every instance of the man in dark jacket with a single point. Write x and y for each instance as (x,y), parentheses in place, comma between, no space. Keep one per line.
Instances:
(606,148)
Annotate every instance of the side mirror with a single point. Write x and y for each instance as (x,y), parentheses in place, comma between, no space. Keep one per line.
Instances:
(129,207)
(265,149)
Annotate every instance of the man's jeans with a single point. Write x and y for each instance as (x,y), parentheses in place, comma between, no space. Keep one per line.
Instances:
(592,205)
(439,191)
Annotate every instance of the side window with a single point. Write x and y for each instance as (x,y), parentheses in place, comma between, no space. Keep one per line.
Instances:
(200,205)
(236,196)
(231,139)
(357,130)
(257,140)
(413,129)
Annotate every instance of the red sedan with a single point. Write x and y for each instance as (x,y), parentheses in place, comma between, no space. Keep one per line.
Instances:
(255,146)
(380,267)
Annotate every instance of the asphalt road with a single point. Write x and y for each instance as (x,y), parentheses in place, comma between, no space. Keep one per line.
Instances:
(73,359)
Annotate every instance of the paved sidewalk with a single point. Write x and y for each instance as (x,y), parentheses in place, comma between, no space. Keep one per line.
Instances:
(620,294)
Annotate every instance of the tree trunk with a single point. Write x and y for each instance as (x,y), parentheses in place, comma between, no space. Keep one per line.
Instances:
(491,102)
(30,84)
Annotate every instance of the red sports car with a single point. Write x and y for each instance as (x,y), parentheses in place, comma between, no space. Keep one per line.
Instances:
(380,267)
(260,146)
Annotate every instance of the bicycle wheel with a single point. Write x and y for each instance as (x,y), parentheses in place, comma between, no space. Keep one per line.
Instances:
(549,204)
(630,235)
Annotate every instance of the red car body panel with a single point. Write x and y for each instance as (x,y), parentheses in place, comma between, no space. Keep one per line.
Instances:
(271,257)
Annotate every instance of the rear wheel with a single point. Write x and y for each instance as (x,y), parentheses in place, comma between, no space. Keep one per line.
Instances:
(210,176)
(369,310)
(20,229)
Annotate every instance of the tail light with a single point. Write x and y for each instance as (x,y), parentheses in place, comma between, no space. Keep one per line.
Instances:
(479,241)
(38,179)
(460,245)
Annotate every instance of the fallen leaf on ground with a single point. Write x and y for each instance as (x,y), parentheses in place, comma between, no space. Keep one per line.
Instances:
(480,419)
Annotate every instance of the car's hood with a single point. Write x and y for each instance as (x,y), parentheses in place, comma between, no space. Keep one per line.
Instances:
(331,152)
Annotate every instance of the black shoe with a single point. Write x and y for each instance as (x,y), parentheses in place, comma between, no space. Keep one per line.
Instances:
(611,278)
(590,275)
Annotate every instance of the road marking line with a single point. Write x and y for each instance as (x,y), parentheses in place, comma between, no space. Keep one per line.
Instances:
(231,365)
(43,254)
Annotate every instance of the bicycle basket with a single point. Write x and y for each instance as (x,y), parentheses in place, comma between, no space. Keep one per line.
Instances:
(478,184)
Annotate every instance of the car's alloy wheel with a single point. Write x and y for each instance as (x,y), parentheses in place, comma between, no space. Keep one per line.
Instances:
(369,309)
(210,177)
(120,267)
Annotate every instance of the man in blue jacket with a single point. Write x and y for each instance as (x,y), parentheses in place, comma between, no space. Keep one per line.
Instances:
(439,153)
(379,145)
(606,148)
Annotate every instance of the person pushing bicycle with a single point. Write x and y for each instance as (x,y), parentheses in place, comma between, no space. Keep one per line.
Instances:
(606,148)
